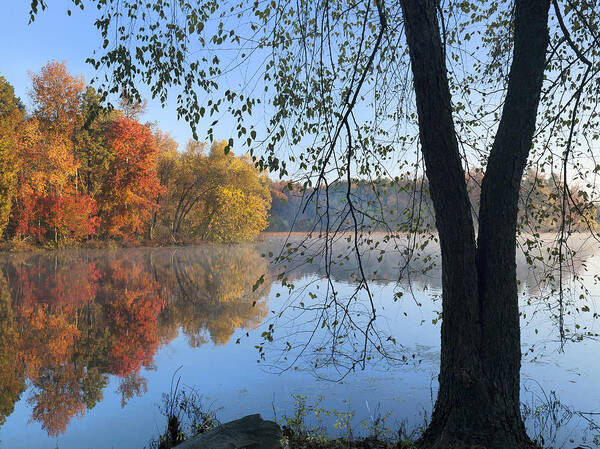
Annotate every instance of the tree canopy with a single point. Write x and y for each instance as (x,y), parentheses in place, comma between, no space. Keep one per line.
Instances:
(74,170)
(11,115)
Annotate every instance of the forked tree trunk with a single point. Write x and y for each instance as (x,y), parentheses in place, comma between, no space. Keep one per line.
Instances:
(478,404)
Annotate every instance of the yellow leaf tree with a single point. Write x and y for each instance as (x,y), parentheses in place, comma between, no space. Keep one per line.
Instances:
(11,117)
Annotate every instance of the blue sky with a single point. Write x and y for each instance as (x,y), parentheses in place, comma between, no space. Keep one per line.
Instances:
(56,36)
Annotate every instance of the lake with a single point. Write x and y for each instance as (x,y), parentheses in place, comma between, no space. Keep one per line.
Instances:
(91,339)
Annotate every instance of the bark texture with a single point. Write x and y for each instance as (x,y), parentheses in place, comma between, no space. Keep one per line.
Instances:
(478,404)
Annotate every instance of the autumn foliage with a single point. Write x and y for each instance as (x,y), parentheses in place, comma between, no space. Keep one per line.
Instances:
(11,118)
(73,170)
(77,180)
(130,192)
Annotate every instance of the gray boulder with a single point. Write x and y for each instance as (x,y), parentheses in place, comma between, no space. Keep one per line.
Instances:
(249,432)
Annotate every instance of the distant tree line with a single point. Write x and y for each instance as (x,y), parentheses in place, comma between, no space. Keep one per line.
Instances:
(72,170)
(403,205)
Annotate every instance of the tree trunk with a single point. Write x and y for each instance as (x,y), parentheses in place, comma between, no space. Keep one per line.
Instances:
(478,404)
(496,247)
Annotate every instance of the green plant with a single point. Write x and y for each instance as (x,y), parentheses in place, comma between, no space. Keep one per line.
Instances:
(186,414)
(304,429)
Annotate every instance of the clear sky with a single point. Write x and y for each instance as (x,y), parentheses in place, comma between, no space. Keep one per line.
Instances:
(56,36)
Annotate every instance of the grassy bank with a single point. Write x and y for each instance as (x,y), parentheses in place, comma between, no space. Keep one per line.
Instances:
(186,415)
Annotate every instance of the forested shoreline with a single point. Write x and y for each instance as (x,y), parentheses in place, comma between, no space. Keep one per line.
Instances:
(75,173)
(404,205)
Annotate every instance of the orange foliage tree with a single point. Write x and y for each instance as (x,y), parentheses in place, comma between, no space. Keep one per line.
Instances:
(49,203)
(130,193)
(56,97)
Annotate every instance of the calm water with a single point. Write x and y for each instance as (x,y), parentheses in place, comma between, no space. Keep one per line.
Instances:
(89,341)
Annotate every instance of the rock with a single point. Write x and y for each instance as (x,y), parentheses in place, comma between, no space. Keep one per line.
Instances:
(249,432)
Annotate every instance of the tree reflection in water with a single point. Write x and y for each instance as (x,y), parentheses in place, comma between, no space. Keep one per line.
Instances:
(68,321)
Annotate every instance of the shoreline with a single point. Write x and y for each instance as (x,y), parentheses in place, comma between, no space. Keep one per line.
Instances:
(12,247)
(9,247)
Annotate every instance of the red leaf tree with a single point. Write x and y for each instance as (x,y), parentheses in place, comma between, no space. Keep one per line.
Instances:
(130,193)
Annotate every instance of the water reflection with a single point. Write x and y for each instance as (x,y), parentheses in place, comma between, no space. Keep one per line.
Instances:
(69,321)
(416,275)
(209,291)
